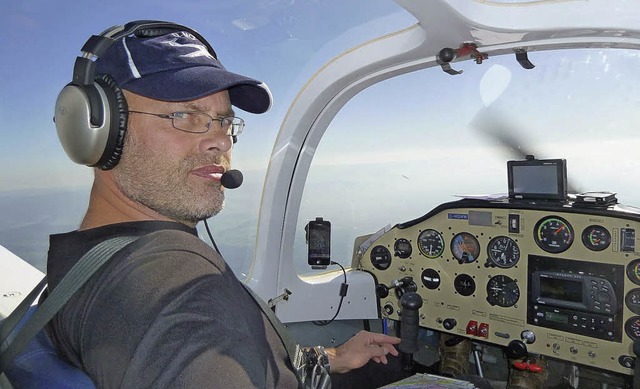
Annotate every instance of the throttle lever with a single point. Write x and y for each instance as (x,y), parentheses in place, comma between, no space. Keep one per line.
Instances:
(411,302)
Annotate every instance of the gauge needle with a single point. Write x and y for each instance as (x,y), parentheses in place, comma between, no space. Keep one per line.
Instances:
(558,230)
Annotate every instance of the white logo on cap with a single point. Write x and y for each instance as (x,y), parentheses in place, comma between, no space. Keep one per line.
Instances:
(200,49)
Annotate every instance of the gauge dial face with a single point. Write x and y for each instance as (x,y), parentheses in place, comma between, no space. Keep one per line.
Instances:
(633,271)
(465,247)
(596,238)
(431,243)
(402,248)
(503,252)
(553,234)
(380,257)
(632,327)
(430,278)
(632,300)
(502,291)
(464,284)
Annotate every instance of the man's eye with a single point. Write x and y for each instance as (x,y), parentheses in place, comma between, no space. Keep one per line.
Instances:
(180,115)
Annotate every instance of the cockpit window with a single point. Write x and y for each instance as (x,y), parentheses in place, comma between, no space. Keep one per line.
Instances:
(407,144)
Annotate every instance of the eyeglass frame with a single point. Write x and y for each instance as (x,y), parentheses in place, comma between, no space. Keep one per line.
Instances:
(170,116)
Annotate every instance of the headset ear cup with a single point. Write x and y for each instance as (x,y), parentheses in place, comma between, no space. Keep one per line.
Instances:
(119,116)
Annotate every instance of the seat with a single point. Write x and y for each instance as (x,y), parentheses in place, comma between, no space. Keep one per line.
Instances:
(38,366)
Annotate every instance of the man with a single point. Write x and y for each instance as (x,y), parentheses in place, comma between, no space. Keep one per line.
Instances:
(166,311)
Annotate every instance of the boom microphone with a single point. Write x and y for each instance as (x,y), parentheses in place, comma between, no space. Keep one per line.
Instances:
(231,179)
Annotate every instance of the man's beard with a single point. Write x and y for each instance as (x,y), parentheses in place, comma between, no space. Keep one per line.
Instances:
(164,185)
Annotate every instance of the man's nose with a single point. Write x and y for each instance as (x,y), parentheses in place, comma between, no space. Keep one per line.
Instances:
(216,140)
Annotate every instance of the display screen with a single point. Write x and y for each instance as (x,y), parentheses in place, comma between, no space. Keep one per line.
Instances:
(480,218)
(319,241)
(537,179)
(541,179)
(556,317)
(560,289)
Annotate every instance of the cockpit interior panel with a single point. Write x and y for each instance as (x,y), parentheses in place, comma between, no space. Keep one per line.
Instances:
(551,278)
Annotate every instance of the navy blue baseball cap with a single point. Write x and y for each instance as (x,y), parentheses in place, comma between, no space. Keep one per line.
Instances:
(178,67)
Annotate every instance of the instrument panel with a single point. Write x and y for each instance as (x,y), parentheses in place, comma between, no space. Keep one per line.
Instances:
(564,281)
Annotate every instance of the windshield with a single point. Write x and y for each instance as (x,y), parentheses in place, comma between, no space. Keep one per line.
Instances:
(405,145)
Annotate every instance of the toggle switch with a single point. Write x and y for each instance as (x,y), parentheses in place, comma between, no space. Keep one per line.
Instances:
(472,328)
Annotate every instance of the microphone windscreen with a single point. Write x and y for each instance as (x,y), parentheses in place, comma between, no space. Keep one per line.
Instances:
(231,179)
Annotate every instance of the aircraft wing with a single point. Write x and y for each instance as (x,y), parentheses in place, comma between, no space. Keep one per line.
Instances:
(17,279)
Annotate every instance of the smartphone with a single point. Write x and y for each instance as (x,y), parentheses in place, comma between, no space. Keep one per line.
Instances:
(319,242)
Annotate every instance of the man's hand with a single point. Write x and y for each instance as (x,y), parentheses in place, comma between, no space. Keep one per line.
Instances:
(361,348)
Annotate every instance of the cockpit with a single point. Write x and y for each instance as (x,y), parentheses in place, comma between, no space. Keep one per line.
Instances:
(479,154)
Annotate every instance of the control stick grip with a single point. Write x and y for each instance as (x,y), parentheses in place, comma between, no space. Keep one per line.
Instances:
(411,303)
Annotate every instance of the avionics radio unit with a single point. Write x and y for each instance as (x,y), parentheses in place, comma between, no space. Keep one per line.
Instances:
(580,299)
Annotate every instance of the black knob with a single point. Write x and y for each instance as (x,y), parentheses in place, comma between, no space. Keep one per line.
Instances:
(405,285)
(516,349)
(449,323)
(627,361)
(382,291)
(447,55)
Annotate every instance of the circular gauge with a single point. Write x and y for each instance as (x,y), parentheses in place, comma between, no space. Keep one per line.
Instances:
(633,271)
(431,243)
(553,234)
(632,299)
(430,279)
(402,248)
(465,247)
(380,257)
(596,238)
(632,327)
(502,291)
(464,284)
(503,252)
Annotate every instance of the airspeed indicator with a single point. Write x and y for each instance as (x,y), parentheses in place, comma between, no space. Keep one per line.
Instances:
(430,243)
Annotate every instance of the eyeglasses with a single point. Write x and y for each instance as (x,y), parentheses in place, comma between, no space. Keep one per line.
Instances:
(200,122)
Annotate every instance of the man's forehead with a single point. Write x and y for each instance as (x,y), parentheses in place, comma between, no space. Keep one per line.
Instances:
(218,103)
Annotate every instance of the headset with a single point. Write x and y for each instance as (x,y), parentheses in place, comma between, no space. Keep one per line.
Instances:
(91,112)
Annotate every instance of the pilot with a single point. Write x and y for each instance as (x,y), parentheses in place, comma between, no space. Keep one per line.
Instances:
(166,311)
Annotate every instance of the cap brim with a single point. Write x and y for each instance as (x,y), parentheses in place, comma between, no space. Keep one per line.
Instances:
(196,82)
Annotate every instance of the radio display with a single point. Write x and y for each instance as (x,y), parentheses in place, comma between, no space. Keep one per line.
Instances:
(556,317)
(559,289)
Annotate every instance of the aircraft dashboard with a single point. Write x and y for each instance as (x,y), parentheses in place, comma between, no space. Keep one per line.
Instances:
(548,277)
